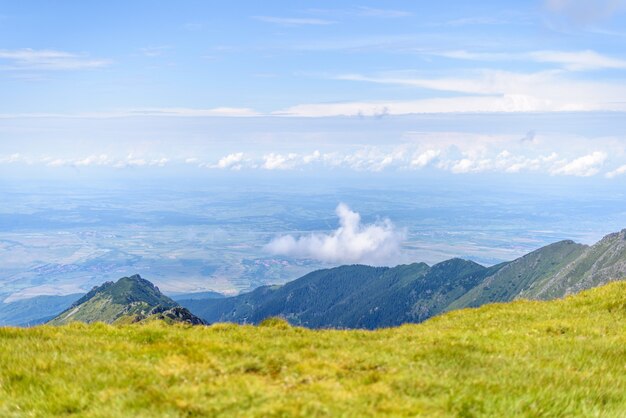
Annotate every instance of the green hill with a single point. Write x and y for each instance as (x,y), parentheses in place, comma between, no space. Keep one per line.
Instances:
(130,299)
(601,263)
(516,277)
(352,296)
(524,358)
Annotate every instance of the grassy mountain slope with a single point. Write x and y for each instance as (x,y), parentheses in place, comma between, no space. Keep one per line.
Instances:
(352,296)
(302,300)
(34,311)
(364,297)
(557,358)
(130,299)
(601,263)
(517,276)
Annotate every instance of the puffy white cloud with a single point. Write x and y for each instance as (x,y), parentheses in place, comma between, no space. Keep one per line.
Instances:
(352,242)
(585,166)
(424,158)
(102,159)
(367,159)
(274,161)
(232,161)
(453,152)
(315,156)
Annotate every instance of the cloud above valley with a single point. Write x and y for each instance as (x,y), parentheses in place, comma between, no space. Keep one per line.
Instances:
(378,243)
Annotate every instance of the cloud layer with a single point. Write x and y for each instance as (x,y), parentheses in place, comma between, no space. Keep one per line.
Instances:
(453,152)
(352,242)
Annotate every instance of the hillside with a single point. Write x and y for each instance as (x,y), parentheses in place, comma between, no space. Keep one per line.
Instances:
(601,263)
(130,299)
(367,297)
(516,277)
(352,296)
(557,358)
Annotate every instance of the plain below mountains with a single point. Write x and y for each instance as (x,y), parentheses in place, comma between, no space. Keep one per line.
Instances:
(360,296)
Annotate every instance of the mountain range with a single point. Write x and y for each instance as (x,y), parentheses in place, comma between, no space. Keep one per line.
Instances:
(359,296)
(352,296)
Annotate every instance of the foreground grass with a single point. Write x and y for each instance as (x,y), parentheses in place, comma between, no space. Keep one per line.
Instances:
(560,358)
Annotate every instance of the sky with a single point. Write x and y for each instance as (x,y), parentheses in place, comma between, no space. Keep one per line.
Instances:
(516,88)
(332,131)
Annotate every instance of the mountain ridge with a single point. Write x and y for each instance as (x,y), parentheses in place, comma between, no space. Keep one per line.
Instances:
(360,296)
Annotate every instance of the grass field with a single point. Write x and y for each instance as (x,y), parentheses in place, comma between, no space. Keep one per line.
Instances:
(560,358)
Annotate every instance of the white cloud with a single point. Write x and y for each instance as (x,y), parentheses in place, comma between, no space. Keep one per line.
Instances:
(276,161)
(452,152)
(570,60)
(231,161)
(102,159)
(294,21)
(315,156)
(579,60)
(617,172)
(462,104)
(425,158)
(47,59)
(482,91)
(585,166)
(352,242)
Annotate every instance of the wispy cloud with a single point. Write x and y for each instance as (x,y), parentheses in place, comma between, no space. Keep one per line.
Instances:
(586,11)
(47,59)
(619,171)
(486,91)
(352,242)
(294,21)
(155,51)
(484,20)
(570,60)
(381,13)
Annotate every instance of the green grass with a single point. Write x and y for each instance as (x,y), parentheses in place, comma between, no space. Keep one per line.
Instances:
(560,358)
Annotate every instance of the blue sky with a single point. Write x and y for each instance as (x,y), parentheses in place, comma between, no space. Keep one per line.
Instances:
(396,86)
